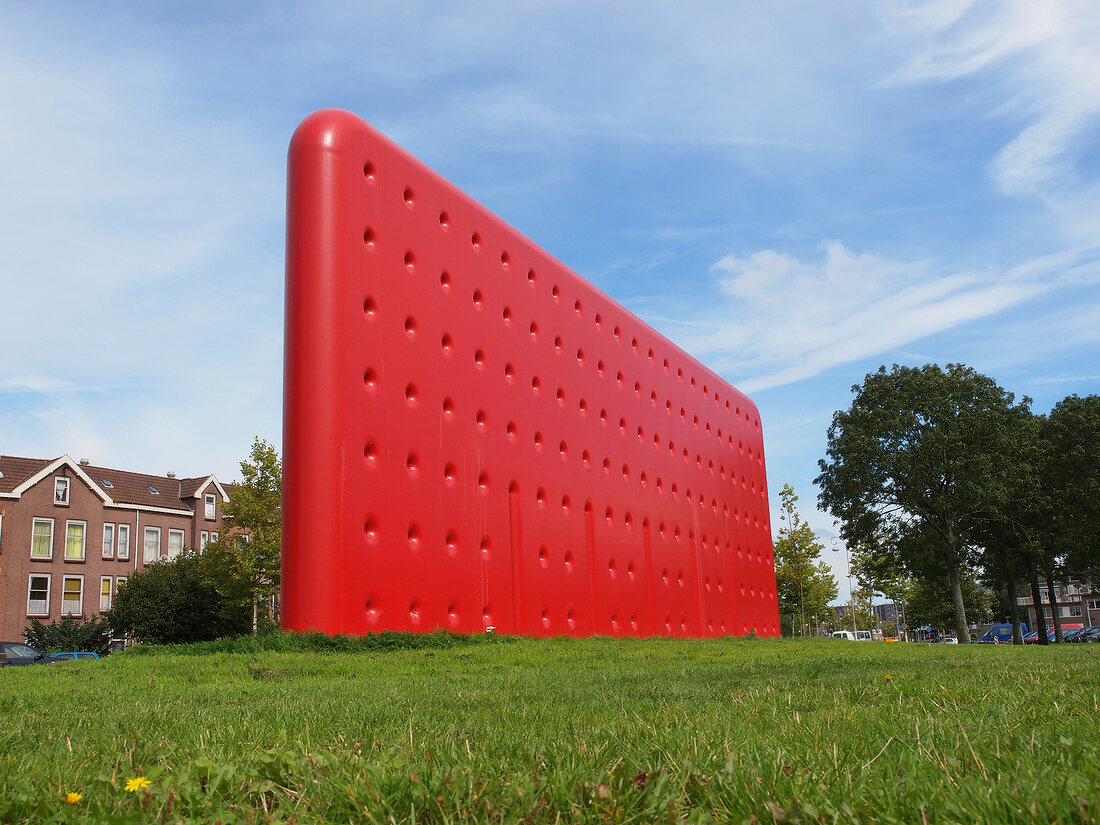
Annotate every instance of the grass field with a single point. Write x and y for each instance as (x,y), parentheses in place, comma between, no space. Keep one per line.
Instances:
(488,729)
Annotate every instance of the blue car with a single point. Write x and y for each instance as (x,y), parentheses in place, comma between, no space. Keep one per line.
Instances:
(79,655)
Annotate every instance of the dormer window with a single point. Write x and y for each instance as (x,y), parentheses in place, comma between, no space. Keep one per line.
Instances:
(61,491)
(211,506)
(153,490)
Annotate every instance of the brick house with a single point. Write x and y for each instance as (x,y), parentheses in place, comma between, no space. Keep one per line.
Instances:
(1078,603)
(71,533)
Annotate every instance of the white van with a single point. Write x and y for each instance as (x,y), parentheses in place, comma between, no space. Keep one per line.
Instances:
(864,636)
(844,634)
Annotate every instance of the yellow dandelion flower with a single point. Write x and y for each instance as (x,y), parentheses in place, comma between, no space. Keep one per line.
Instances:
(72,797)
(137,784)
(889,678)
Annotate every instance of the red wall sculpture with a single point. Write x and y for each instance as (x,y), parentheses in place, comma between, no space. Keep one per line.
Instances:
(475,437)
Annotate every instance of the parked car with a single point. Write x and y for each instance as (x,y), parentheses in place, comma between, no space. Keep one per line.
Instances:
(949,640)
(79,655)
(1001,634)
(1074,634)
(1085,634)
(864,636)
(844,634)
(17,653)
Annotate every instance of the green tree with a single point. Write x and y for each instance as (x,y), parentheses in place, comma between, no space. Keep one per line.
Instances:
(244,564)
(171,602)
(931,604)
(70,633)
(921,456)
(804,584)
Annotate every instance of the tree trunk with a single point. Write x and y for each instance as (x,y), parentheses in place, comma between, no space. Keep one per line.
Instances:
(1040,620)
(960,609)
(1055,618)
(1013,608)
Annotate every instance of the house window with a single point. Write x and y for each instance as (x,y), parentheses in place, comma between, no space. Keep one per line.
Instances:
(38,595)
(61,491)
(204,537)
(72,596)
(104,593)
(213,537)
(1047,614)
(211,506)
(119,581)
(42,539)
(1075,610)
(124,541)
(175,543)
(108,541)
(152,544)
(74,540)
(1094,604)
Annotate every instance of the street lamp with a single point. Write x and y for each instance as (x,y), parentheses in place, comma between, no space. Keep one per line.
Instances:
(851,595)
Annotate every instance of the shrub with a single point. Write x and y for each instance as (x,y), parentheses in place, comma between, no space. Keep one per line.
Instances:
(76,633)
(170,602)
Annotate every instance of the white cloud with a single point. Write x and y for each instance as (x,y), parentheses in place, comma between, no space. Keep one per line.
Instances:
(788,319)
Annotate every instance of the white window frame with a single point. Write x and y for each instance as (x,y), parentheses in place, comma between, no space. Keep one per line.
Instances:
(42,521)
(213,537)
(123,547)
(108,540)
(204,537)
(1075,611)
(182,537)
(62,485)
(49,584)
(110,593)
(80,605)
(119,580)
(83,540)
(211,510)
(1094,604)
(145,545)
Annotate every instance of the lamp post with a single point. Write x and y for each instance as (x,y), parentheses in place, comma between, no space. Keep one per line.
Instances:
(851,595)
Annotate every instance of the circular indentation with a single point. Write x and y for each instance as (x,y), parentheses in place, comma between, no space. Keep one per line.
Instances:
(534,330)
(555,291)
(563,450)
(412,464)
(577,307)
(410,261)
(447,343)
(626,472)
(512,431)
(638,389)
(557,343)
(483,481)
(445,280)
(505,259)
(675,490)
(619,378)
(413,535)
(506,315)
(370,239)
(580,357)
(369,172)
(568,560)
(544,556)
(540,497)
(617,333)
(607,465)
(370,308)
(599,320)
(481,420)
(622,426)
(414,611)
(444,220)
(370,378)
(509,373)
(565,505)
(475,240)
(650,356)
(653,398)
(479,359)
(628,520)
(692,382)
(448,408)
(582,407)
(630,571)
(559,396)
(603,416)
(634,344)
(640,433)
(483,547)
(643,479)
(532,278)
(451,545)
(370,530)
(538,440)
(586,458)
(478,298)
(410,394)
(370,452)
(410,327)
(450,473)
(660,484)
(536,385)
(611,568)
(600,368)
(609,515)
(408,197)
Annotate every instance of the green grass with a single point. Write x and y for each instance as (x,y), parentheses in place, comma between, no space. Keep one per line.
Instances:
(453,729)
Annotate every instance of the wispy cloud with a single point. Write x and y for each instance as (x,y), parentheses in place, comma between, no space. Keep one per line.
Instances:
(790,319)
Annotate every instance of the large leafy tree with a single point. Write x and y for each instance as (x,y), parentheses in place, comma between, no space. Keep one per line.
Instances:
(804,584)
(243,565)
(922,456)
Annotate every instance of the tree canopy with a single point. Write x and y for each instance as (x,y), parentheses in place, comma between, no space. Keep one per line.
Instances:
(804,584)
(921,457)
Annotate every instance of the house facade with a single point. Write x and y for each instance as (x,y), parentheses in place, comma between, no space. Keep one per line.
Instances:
(1078,604)
(71,533)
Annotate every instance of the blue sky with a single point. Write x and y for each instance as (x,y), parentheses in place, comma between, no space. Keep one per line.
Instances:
(795,193)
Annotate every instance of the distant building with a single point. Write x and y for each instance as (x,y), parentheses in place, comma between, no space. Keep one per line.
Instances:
(71,533)
(1078,603)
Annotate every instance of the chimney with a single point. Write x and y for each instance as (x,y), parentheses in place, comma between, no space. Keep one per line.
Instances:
(84,462)
(171,474)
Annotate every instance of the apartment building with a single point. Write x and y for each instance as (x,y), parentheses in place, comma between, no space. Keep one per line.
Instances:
(71,533)
(1078,603)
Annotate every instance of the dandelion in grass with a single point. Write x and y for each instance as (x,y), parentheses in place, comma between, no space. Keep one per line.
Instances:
(136,784)
(72,797)
(889,678)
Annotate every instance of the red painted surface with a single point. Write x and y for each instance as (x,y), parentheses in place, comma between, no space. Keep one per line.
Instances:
(476,437)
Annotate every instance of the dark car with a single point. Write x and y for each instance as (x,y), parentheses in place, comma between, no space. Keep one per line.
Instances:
(17,653)
(1091,634)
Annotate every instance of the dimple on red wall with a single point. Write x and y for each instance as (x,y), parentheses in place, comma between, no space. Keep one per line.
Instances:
(475,437)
